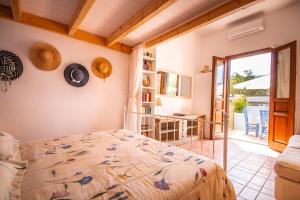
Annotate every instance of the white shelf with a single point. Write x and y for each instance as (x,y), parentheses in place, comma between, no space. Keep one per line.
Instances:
(168,131)
(148,72)
(149,58)
(148,88)
(148,102)
(146,130)
(146,115)
(148,119)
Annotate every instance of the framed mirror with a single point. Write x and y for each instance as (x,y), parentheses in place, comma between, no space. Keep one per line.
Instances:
(173,84)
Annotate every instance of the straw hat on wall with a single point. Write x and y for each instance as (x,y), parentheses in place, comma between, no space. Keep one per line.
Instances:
(45,56)
(101,67)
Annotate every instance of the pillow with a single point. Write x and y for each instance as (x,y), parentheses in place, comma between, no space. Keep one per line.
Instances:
(11,177)
(9,147)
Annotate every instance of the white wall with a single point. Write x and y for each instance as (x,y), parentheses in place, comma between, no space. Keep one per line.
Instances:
(42,104)
(181,55)
(282,27)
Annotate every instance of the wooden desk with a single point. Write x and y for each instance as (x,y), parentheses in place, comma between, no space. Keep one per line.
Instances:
(179,127)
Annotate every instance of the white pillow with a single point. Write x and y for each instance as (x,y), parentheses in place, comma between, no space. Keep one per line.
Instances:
(9,147)
(11,177)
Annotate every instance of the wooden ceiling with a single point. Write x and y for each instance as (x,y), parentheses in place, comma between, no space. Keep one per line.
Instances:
(120,24)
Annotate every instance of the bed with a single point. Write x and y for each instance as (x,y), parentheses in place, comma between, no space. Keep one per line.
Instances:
(118,165)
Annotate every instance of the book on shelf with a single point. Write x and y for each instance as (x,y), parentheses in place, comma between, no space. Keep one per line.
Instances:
(146,97)
(147,65)
(145,110)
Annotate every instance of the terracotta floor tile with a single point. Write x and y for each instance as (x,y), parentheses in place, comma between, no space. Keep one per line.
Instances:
(267,191)
(269,185)
(234,161)
(250,172)
(271,178)
(254,186)
(238,180)
(258,181)
(237,187)
(245,170)
(248,193)
(264,170)
(248,166)
(263,196)
(241,174)
(262,175)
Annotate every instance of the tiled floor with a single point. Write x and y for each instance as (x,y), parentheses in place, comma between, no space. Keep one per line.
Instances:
(240,135)
(250,166)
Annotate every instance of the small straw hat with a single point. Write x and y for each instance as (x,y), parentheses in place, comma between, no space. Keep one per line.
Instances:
(101,67)
(44,56)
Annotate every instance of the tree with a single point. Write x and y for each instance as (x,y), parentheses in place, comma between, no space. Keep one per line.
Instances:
(237,78)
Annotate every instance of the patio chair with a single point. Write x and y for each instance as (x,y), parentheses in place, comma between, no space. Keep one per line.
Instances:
(264,122)
(250,126)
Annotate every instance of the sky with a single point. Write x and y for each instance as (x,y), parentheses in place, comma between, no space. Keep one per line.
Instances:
(259,64)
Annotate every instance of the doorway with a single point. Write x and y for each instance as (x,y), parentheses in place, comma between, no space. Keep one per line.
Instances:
(249,97)
(255,92)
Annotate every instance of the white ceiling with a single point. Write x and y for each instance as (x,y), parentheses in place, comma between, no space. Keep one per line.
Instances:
(57,10)
(170,17)
(105,16)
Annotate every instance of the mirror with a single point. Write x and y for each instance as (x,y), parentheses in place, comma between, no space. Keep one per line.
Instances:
(173,84)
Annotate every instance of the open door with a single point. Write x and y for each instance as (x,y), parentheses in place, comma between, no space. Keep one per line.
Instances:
(282,96)
(218,95)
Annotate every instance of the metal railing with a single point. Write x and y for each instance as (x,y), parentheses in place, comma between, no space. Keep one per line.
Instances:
(183,137)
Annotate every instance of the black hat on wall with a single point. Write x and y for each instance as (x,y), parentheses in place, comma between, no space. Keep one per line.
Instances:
(76,75)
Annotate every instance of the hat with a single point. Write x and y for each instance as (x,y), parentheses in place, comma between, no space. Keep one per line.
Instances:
(101,67)
(44,56)
(76,75)
(205,69)
(11,66)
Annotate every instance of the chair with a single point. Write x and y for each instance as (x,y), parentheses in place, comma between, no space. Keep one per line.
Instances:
(250,126)
(264,122)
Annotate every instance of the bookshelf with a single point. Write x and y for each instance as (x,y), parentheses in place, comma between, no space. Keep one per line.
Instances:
(147,94)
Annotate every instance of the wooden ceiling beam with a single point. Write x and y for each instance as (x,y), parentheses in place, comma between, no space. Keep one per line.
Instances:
(56,27)
(202,20)
(142,16)
(81,11)
(16,7)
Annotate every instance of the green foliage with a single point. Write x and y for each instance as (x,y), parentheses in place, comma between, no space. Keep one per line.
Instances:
(246,76)
(239,103)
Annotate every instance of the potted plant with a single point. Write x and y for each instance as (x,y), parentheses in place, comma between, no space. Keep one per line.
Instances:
(239,103)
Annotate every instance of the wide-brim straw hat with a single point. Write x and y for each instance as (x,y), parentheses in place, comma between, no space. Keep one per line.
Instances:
(45,56)
(101,67)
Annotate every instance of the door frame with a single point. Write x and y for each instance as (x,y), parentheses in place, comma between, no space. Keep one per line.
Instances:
(227,74)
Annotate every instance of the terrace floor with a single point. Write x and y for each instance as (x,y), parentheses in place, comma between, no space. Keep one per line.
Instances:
(250,166)
(240,135)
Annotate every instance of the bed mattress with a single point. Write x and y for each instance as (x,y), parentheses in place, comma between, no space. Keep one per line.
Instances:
(119,165)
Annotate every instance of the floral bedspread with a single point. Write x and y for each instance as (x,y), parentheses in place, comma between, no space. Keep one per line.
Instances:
(119,165)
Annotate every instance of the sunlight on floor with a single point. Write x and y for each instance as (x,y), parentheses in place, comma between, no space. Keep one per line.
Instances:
(250,166)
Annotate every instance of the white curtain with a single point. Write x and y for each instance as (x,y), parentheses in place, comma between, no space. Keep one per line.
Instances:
(135,74)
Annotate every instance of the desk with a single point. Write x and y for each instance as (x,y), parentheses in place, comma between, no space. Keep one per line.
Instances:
(179,127)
